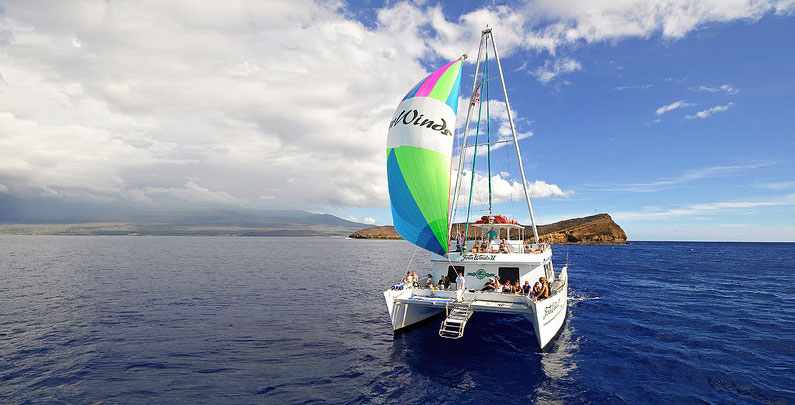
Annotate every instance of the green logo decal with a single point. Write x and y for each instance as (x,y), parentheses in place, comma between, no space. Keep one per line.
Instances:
(481,274)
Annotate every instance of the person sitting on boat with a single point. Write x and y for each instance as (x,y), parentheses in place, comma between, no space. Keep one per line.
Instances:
(441,283)
(507,288)
(429,281)
(484,247)
(459,242)
(504,248)
(526,288)
(415,279)
(544,291)
(446,282)
(536,289)
(475,248)
(489,285)
(408,279)
(460,281)
(517,289)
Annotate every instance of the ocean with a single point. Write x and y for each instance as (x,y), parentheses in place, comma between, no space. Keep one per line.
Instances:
(162,319)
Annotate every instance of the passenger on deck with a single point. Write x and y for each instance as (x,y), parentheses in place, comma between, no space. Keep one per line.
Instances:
(536,289)
(504,248)
(544,293)
(460,281)
(459,241)
(446,282)
(484,246)
(507,288)
(441,283)
(408,279)
(517,289)
(415,279)
(475,248)
(497,285)
(489,285)
(429,281)
(526,288)
(492,234)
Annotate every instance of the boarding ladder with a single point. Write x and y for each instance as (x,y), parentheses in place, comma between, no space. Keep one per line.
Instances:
(457,317)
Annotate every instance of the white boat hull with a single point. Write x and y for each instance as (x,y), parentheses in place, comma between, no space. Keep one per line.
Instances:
(410,306)
(548,317)
(404,314)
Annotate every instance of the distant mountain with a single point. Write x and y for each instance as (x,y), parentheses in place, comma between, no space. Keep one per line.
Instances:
(53,216)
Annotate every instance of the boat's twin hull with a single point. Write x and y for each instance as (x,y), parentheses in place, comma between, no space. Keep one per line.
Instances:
(404,314)
(546,316)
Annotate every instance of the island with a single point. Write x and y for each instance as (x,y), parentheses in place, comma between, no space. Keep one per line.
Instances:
(597,229)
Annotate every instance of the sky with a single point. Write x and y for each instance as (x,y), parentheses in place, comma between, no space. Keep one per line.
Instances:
(675,117)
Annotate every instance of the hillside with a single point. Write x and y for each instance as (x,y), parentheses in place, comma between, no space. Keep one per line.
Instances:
(597,229)
(206,222)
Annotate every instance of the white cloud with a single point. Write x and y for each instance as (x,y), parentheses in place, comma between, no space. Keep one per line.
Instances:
(706,208)
(726,88)
(673,106)
(504,189)
(678,181)
(552,69)
(283,102)
(781,185)
(500,126)
(709,111)
(637,87)
(591,21)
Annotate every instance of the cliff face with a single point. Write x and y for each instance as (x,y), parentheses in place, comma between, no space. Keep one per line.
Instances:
(592,230)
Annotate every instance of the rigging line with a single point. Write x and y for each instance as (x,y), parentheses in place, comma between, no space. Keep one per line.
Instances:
(475,155)
(412,257)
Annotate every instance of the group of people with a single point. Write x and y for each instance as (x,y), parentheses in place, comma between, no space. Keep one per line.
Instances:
(539,291)
(482,246)
(412,279)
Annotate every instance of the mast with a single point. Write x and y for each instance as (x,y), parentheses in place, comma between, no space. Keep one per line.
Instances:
(487,31)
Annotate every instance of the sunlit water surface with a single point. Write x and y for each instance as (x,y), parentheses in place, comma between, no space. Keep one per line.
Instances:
(265,320)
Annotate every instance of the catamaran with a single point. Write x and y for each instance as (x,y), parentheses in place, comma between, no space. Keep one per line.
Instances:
(419,163)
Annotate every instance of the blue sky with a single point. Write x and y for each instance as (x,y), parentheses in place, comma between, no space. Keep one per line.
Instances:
(675,117)
(670,175)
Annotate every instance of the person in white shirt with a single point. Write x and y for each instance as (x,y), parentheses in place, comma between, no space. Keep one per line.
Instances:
(459,281)
(429,281)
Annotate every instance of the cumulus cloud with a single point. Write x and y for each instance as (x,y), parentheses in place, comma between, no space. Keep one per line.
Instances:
(505,189)
(709,111)
(673,106)
(282,102)
(552,69)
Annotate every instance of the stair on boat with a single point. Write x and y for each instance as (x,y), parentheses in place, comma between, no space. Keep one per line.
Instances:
(453,326)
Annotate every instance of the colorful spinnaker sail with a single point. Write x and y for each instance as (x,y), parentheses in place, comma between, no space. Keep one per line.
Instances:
(419,148)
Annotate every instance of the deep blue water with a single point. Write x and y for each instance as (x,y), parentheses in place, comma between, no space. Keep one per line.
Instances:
(265,320)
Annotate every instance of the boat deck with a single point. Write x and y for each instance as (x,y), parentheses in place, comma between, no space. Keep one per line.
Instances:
(478,301)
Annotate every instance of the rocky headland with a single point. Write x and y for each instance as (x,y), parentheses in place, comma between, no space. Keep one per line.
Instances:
(597,229)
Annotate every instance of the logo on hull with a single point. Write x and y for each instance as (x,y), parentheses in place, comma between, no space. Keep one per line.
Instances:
(481,274)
